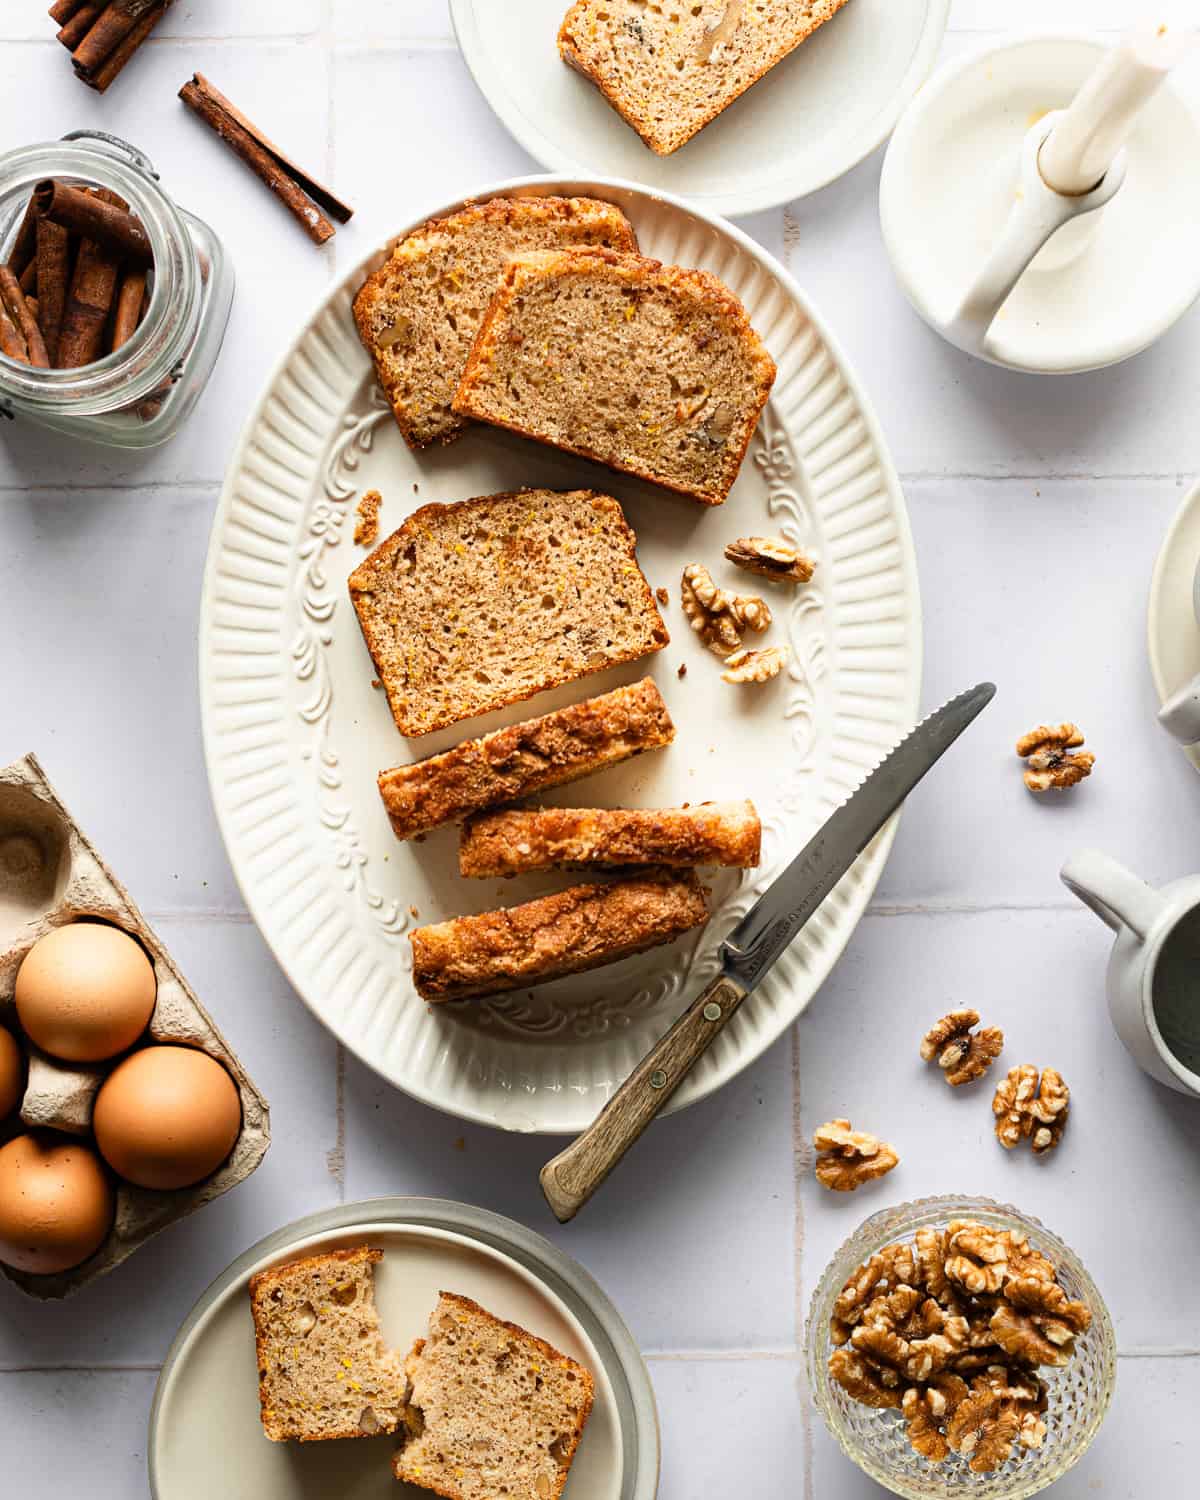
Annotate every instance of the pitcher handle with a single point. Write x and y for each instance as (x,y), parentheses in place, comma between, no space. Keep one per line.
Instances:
(1117,897)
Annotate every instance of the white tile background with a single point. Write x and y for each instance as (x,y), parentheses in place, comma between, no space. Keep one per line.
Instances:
(1037,512)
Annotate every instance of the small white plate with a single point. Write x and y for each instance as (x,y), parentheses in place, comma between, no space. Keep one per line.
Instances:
(1171,628)
(295,735)
(205,1436)
(814,116)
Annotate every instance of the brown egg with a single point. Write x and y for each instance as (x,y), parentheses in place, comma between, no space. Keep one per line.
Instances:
(56,1203)
(85,992)
(12,1073)
(167,1117)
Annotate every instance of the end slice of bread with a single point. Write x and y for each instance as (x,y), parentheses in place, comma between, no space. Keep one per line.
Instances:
(581,928)
(472,606)
(495,1414)
(323,1369)
(668,73)
(418,314)
(515,840)
(525,758)
(651,369)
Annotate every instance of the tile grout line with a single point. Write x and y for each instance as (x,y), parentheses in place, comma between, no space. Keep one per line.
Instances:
(799,1172)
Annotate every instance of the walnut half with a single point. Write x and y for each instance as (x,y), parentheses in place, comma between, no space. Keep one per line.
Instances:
(962,1054)
(716,615)
(755,666)
(1030,1108)
(851,1157)
(771,557)
(1049,761)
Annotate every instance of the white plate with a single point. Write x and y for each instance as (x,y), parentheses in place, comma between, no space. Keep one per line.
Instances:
(1174,636)
(814,116)
(205,1434)
(295,735)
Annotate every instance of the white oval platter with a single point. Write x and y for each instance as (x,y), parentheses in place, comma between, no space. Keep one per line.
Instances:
(208,1388)
(295,734)
(815,115)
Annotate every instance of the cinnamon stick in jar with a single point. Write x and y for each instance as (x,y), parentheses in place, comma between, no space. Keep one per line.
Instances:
(131,302)
(89,303)
(11,342)
(53,280)
(23,244)
(18,310)
(96,217)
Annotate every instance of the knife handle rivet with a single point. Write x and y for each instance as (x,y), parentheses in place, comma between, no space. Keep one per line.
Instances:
(712,1011)
(658,1079)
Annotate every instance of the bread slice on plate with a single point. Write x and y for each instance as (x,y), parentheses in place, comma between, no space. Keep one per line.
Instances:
(515,840)
(670,70)
(418,314)
(323,1369)
(496,1413)
(472,606)
(526,758)
(651,369)
(577,929)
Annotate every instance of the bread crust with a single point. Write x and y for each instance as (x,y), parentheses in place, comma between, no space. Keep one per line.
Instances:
(413,716)
(526,758)
(573,930)
(573,54)
(378,288)
(514,841)
(637,271)
(260,1287)
(547,1352)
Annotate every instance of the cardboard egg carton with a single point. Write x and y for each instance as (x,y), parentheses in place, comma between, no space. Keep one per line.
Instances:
(50,874)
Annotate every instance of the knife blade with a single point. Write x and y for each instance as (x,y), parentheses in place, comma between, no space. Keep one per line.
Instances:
(771,924)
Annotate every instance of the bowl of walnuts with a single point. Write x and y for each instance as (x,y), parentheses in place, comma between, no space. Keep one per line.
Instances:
(956,1346)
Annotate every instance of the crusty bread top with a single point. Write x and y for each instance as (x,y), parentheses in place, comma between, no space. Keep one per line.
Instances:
(525,758)
(496,1411)
(651,369)
(669,73)
(511,841)
(324,1371)
(418,314)
(572,930)
(472,606)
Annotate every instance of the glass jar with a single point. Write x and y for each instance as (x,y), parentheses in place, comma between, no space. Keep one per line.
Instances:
(137,396)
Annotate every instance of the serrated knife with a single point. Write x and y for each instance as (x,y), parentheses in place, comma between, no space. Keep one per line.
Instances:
(571,1178)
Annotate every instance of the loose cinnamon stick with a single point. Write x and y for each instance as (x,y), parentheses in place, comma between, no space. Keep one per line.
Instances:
(286,180)
(62,10)
(103,76)
(53,279)
(23,245)
(112,26)
(18,310)
(90,215)
(80,24)
(89,303)
(11,342)
(128,315)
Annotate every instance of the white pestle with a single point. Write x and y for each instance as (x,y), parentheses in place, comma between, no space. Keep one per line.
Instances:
(1100,119)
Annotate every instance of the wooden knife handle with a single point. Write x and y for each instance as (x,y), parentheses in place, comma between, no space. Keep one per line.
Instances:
(571,1178)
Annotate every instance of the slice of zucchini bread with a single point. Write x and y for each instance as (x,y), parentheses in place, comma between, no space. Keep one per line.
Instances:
(651,369)
(418,314)
(668,70)
(472,606)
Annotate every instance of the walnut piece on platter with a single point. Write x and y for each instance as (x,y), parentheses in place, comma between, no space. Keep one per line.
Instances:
(771,557)
(952,1330)
(755,666)
(962,1053)
(1052,757)
(717,615)
(1033,1108)
(848,1158)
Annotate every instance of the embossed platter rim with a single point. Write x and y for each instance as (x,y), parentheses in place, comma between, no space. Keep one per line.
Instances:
(294,735)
